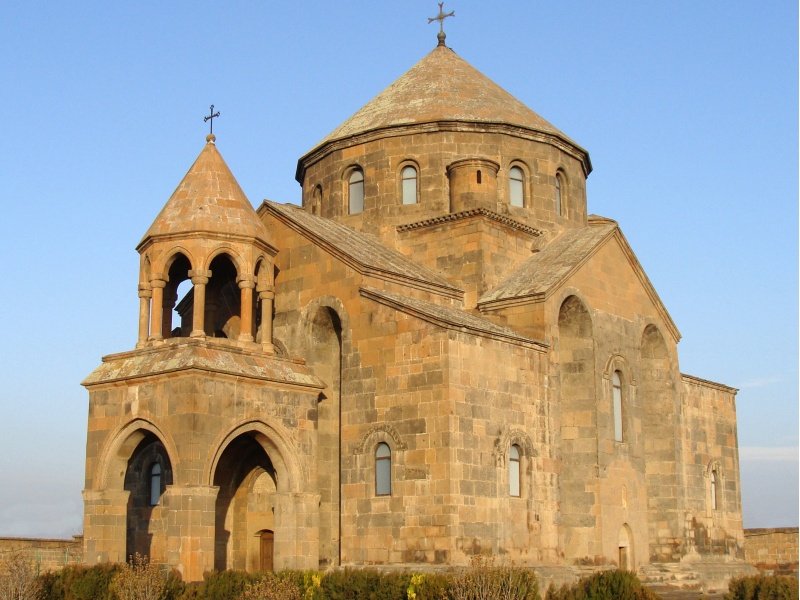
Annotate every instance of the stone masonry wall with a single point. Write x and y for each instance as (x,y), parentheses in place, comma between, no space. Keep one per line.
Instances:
(711,451)
(772,551)
(45,554)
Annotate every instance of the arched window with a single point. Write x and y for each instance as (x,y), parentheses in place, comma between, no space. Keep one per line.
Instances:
(316,200)
(616,397)
(516,187)
(155,484)
(559,206)
(713,484)
(513,471)
(356,192)
(383,470)
(408,177)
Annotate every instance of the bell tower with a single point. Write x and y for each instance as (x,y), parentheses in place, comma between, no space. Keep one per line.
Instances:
(201,441)
(207,234)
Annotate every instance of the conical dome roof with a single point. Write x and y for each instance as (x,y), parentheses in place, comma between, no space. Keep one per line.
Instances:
(441,87)
(209,200)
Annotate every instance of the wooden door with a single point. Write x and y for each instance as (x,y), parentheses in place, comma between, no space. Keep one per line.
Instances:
(267,549)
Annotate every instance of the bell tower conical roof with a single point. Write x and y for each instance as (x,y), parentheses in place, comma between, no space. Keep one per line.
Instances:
(208,200)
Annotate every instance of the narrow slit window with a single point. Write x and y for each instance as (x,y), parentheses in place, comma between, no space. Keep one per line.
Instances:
(383,470)
(409,181)
(356,192)
(516,186)
(479,176)
(616,391)
(559,208)
(155,484)
(714,482)
(514,471)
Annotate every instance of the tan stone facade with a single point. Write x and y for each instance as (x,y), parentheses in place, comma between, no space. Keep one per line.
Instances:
(440,354)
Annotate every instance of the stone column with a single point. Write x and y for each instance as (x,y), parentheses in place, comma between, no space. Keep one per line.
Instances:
(157,308)
(145,293)
(246,284)
(199,281)
(190,529)
(104,526)
(267,298)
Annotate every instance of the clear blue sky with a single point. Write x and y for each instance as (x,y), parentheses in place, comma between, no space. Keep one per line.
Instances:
(689,111)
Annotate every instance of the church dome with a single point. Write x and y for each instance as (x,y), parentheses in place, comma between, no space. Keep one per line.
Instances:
(442,87)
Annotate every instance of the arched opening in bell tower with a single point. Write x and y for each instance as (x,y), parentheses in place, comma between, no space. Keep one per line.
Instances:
(177,295)
(223,300)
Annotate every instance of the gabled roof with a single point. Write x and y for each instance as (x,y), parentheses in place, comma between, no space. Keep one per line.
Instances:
(208,200)
(449,317)
(543,272)
(362,251)
(545,269)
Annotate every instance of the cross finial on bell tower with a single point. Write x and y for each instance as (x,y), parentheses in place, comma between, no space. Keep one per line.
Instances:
(441,17)
(210,117)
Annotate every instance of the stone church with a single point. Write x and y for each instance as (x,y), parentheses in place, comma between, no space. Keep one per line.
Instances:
(439,354)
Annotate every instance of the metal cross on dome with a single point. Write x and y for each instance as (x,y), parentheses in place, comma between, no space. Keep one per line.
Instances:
(441,17)
(213,115)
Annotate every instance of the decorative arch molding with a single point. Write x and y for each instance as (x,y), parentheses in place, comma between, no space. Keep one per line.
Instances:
(509,437)
(276,441)
(160,265)
(617,362)
(714,465)
(239,263)
(120,446)
(377,434)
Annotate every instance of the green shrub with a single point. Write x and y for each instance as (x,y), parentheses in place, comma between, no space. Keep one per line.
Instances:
(272,587)
(429,586)
(605,585)
(76,582)
(483,581)
(355,584)
(222,585)
(761,587)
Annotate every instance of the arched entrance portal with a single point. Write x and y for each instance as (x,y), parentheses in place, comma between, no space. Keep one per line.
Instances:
(245,506)
(147,475)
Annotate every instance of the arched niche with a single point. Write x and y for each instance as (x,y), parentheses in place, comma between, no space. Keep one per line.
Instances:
(578,425)
(324,356)
(659,401)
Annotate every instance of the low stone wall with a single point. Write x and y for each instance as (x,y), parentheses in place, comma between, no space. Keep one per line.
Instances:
(772,551)
(47,554)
